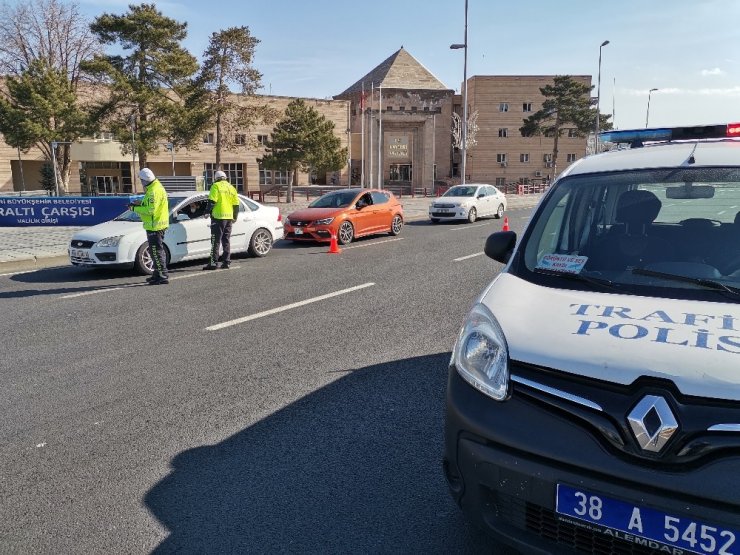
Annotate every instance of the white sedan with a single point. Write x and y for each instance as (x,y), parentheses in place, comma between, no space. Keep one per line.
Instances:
(468,202)
(122,241)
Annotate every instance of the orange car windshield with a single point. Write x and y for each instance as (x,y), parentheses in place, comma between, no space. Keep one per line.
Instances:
(339,199)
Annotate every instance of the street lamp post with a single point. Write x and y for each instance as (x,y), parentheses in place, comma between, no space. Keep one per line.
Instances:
(171,148)
(647,114)
(464,126)
(598,100)
(132,120)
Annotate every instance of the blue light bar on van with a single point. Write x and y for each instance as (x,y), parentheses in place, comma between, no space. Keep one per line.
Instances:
(638,136)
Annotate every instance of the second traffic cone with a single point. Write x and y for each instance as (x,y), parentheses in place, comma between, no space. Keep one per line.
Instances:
(333,245)
(506,224)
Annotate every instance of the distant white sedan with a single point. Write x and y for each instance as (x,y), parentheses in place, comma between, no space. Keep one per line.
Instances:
(122,241)
(468,202)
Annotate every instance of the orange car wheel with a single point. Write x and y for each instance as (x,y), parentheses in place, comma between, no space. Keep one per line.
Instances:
(346,233)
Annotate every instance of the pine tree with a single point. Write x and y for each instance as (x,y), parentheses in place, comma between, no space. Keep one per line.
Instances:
(228,60)
(567,105)
(304,140)
(152,90)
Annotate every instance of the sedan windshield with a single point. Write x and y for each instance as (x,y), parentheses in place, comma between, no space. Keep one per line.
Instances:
(131,216)
(658,229)
(460,191)
(337,199)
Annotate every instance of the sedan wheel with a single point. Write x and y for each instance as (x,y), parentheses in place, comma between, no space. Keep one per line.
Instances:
(144,263)
(396,225)
(472,215)
(500,211)
(346,233)
(261,243)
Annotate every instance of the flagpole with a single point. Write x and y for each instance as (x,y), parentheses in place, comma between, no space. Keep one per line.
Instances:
(370,124)
(380,137)
(362,138)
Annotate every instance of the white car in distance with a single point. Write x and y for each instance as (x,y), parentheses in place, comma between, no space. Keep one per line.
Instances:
(122,241)
(468,202)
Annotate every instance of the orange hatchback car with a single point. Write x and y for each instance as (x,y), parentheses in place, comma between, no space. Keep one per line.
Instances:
(346,213)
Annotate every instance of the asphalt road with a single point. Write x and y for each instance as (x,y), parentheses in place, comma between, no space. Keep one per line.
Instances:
(294,403)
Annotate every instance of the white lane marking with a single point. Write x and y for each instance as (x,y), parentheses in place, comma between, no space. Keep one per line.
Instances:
(469,227)
(96,291)
(469,256)
(373,244)
(286,307)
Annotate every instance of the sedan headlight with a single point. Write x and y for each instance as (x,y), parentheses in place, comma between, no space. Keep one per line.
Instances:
(481,355)
(325,221)
(110,241)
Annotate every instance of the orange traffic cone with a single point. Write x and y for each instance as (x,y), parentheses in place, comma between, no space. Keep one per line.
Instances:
(506,224)
(333,245)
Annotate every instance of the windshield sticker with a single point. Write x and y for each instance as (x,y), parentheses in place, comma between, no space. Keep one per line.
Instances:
(683,329)
(567,263)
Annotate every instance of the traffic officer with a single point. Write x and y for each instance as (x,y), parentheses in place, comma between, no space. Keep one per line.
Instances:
(224,208)
(155,215)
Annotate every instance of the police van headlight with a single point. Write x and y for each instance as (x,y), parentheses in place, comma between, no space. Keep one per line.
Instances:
(481,355)
(110,241)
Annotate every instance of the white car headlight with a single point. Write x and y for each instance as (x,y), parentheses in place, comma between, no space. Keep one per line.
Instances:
(481,355)
(110,241)
(325,221)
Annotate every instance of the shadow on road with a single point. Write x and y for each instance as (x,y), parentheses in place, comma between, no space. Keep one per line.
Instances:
(354,467)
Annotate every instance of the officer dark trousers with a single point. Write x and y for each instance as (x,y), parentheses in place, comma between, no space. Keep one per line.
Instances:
(156,248)
(220,237)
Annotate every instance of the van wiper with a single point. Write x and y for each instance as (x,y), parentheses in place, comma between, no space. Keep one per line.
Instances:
(705,282)
(600,282)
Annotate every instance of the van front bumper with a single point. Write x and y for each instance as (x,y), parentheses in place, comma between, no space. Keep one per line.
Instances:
(503,461)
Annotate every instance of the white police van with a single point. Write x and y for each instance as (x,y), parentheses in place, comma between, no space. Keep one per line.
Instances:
(593,401)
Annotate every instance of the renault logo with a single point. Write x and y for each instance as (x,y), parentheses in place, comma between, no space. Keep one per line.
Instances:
(653,423)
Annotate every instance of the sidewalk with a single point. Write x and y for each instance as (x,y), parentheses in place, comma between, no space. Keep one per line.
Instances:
(36,247)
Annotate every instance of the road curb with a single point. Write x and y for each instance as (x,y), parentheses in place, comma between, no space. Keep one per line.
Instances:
(35,263)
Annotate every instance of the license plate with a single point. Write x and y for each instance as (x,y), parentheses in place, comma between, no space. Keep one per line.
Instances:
(644,526)
(79,253)
(298,231)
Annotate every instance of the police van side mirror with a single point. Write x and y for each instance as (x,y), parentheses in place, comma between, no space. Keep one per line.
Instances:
(500,245)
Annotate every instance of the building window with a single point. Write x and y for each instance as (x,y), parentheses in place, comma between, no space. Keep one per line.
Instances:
(500,182)
(240,139)
(524,180)
(572,133)
(265,177)
(426,108)
(389,108)
(524,158)
(280,177)
(234,174)
(413,108)
(501,158)
(547,158)
(503,132)
(262,139)
(503,107)
(527,107)
(571,157)
(401,108)
(208,138)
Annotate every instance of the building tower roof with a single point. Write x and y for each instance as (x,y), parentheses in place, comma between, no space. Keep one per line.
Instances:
(399,71)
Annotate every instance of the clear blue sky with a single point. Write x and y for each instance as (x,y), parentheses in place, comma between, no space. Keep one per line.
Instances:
(688,49)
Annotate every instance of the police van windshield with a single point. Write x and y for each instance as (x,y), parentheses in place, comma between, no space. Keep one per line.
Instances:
(657,229)
(131,216)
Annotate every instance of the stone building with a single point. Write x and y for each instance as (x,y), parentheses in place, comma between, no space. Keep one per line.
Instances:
(403,108)
(99,167)
(397,122)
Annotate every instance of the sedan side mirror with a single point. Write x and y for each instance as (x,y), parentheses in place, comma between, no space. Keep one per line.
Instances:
(481,195)
(500,246)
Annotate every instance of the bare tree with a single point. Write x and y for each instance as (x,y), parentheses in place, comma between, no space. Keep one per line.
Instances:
(56,34)
(45,29)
